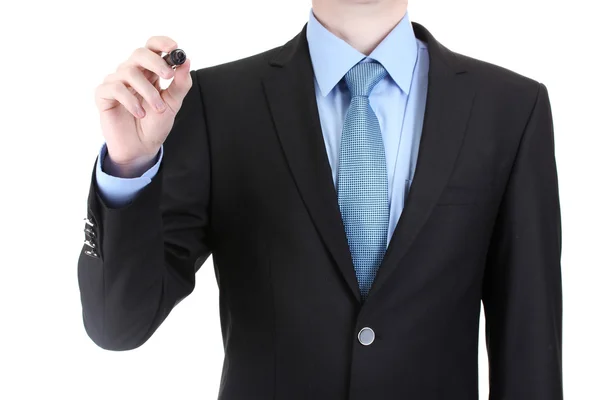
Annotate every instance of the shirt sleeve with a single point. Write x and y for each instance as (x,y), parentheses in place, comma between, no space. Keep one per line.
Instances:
(118,192)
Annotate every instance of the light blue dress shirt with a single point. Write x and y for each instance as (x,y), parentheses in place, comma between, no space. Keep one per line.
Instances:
(398,101)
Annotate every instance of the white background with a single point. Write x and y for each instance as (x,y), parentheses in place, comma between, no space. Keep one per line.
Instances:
(56,52)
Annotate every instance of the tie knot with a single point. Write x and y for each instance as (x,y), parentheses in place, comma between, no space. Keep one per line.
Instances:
(363,77)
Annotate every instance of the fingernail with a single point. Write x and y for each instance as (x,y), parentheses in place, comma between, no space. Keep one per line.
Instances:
(139,111)
(160,105)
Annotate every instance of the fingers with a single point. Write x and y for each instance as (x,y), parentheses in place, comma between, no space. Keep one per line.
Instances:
(161,43)
(109,92)
(157,45)
(134,77)
(146,59)
(181,84)
(139,75)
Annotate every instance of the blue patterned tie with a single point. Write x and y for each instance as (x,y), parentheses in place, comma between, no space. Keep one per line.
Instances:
(362,176)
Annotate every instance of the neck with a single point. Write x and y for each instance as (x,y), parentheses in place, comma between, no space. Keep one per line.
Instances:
(363,24)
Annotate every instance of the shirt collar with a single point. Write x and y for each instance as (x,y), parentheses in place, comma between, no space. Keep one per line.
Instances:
(332,57)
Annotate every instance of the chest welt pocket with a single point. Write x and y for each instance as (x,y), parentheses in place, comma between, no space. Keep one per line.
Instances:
(467,195)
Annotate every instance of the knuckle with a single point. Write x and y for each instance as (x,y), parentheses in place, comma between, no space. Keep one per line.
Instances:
(166,40)
(161,41)
(138,53)
(98,90)
(128,72)
(116,87)
(151,40)
(102,88)
(109,78)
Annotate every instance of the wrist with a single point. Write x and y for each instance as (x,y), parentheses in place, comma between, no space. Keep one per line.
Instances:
(133,168)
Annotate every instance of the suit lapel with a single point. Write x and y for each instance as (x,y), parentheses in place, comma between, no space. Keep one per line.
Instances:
(290,91)
(291,96)
(448,106)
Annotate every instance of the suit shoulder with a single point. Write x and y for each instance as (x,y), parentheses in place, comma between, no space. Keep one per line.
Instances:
(237,69)
(498,79)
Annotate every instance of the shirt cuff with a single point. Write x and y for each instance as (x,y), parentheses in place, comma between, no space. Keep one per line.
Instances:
(118,192)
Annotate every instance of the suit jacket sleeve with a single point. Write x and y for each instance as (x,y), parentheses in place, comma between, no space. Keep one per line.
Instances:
(116,191)
(147,252)
(522,293)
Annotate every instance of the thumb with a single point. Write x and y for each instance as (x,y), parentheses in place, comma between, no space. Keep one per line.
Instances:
(181,84)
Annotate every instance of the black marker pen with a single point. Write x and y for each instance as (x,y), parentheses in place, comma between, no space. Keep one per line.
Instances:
(175,57)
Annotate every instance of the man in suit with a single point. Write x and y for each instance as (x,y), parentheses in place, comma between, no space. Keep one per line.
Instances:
(362,190)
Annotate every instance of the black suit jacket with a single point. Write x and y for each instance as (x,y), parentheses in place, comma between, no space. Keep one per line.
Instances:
(245,177)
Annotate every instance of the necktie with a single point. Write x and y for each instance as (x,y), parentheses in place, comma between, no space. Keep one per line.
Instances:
(362,186)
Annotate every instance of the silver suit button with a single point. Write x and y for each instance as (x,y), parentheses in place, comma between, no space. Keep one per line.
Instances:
(366,336)
(91,253)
